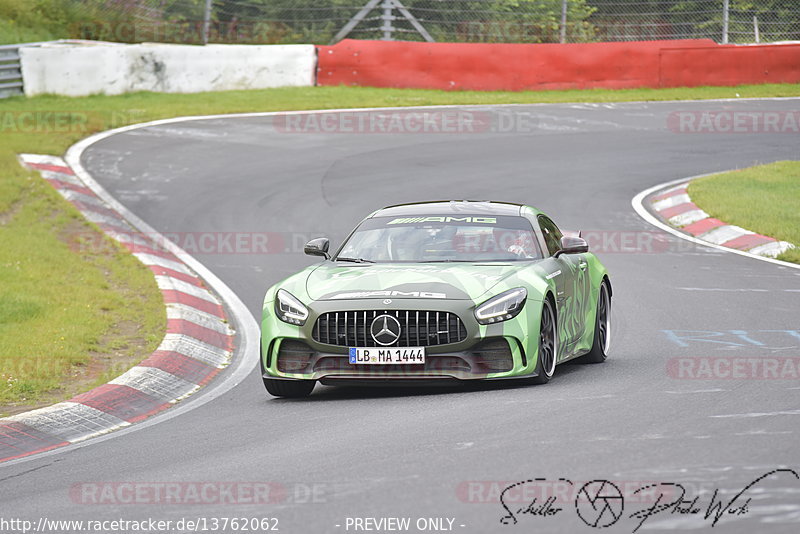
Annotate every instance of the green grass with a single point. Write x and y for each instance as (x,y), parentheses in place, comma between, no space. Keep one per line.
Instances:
(70,310)
(764,199)
(23,21)
(71,317)
(11,33)
(137,107)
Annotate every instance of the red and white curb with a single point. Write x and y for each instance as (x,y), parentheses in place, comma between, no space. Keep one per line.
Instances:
(676,208)
(197,345)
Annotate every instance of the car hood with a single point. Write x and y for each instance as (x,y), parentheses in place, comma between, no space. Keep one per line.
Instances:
(459,281)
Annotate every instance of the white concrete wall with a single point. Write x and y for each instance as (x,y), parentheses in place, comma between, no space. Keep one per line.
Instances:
(110,68)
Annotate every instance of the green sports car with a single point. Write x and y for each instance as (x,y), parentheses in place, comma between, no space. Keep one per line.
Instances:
(437,292)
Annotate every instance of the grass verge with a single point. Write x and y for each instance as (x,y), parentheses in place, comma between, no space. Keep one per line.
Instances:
(764,199)
(72,313)
(72,316)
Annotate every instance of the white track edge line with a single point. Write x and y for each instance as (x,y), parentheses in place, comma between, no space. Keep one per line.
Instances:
(637,203)
(244,320)
(83,144)
(247,327)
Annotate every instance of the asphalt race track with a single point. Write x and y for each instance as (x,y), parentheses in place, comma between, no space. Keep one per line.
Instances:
(447,453)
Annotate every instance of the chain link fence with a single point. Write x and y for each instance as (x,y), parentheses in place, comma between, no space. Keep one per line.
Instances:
(483,21)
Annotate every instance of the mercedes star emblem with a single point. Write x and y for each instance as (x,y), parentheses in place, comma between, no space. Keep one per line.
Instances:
(385,329)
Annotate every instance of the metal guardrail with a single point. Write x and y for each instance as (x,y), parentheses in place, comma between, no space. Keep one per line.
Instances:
(11,82)
(10,71)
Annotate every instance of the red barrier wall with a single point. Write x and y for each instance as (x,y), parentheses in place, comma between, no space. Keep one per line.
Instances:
(482,66)
(515,67)
(730,65)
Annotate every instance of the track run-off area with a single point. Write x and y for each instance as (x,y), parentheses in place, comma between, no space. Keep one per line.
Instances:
(682,402)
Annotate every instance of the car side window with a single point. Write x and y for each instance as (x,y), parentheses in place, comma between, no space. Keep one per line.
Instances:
(552,235)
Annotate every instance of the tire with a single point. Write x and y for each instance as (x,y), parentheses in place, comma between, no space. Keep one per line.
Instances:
(548,344)
(289,388)
(602,328)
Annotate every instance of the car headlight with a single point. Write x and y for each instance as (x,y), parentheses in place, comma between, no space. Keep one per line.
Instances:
(502,307)
(289,309)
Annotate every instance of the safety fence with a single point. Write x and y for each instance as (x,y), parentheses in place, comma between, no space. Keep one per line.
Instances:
(486,21)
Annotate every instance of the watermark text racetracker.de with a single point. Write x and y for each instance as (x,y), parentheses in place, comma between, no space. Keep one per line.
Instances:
(599,241)
(9,525)
(740,361)
(177,31)
(260,242)
(202,493)
(733,368)
(734,122)
(633,242)
(446,121)
(64,121)
(199,242)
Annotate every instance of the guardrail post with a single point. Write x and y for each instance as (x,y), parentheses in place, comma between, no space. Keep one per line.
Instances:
(206,21)
(387,18)
(756,33)
(725,20)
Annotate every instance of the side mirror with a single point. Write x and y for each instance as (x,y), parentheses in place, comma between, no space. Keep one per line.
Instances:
(318,247)
(573,245)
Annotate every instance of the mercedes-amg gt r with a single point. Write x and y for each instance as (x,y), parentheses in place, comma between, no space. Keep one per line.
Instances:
(438,292)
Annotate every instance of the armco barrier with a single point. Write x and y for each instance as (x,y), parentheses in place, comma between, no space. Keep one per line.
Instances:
(112,68)
(10,74)
(730,65)
(514,67)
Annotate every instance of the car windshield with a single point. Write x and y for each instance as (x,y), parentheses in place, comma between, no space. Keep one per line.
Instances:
(441,238)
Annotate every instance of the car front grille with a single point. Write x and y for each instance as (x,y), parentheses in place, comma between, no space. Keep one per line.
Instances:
(417,328)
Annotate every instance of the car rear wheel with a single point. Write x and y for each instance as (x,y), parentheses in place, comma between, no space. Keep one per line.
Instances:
(602,328)
(548,342)
(289,388)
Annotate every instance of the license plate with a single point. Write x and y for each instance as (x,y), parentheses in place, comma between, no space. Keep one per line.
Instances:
(386,355)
